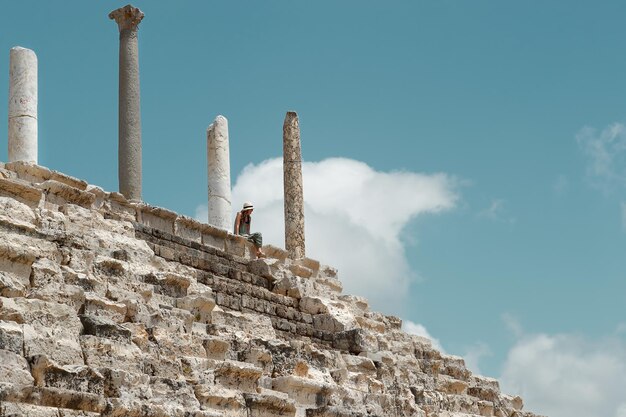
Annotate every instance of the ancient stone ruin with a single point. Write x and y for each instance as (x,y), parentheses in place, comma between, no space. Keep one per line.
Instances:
(112,307)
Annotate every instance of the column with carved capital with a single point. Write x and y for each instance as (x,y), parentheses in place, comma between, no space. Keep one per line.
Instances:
(129,151)
(292,187)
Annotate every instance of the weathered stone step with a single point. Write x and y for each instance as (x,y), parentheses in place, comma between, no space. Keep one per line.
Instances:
(237,375)
(53,397)
(226,402)
(305,391)
(9,409)
(269,405)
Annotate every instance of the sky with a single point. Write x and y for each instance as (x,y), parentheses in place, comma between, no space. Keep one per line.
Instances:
(465,162)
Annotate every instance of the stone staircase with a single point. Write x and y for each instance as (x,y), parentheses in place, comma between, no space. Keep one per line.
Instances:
(110,307)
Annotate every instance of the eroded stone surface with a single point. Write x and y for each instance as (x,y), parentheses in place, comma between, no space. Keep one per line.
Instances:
(109,307)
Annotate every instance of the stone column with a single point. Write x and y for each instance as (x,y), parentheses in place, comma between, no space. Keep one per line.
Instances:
(129,150)
(22,105)
(219,174)
(292,186)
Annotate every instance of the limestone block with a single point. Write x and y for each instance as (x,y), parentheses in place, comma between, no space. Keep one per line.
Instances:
(157,218)
(59,193)
(333,411)
(14,369)
(218,239)
(170,284)
(353,341)
(77,413)
(200,306)
(229,402)
(300,270)
(117,207)
(49,328)
(96,305)
(269,405)
(238,375)
(51,223)
(372,325)
(485,408)
(14,278)
(359,364)
(54,397)
(174,395)
(70,377)
(455,367)
(216,348)
(25,249)
(295,287)
(14,213)
(250,325)
(21,191)
(107,353)
(331,286)
(260,357)
(357,304)
(304,391)
(99,194)
(177,345)
(37,174)
(262,267)
(450,385)
(104,327)
(188,228)
(11,337)
(275,252)
(235,245)
(484,388)
(45,272)
(8,409)
(313,305)
(514,402)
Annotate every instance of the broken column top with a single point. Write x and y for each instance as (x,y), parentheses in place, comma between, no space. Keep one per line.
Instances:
(127,17)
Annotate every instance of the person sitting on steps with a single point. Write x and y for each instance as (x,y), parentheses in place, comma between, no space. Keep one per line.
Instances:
(242,228)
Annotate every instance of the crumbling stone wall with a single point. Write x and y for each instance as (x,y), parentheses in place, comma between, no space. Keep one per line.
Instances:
(116,308)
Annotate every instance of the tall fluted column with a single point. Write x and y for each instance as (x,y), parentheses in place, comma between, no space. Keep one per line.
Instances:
(22,105)
(129,150)
(219,174)
(292,180)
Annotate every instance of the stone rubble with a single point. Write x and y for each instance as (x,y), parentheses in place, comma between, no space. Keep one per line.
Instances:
(111,307)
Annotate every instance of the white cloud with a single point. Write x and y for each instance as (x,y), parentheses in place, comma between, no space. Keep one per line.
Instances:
(606,153)
(354,216)
(513,325)
(419,330)
(497,212)
(566,375)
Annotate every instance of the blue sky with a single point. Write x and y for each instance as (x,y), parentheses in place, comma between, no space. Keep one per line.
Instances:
(499,97)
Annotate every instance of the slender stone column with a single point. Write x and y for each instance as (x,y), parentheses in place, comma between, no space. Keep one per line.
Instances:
(219,173)
(22,105)
(129,150)
(292,183)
